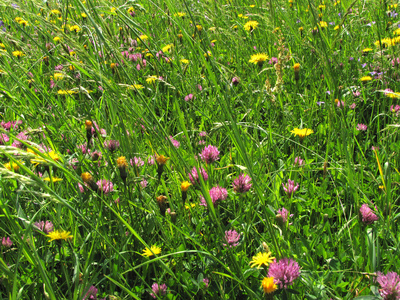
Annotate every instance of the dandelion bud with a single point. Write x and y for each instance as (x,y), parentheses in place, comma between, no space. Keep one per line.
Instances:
(173,216)
(162,204)
(88,179)
(326,218)
(161,161)
(296,69)
(184,188)
(88,126)
(122,164)
(279,220)
(265,246)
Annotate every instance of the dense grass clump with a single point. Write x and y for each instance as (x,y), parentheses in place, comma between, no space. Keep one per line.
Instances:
(199,149)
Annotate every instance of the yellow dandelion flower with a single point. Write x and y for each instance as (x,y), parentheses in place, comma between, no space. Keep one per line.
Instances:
(83,15)
(185,186)
(184,61)
(56,39)
(258,58)
(260,259)
(323,24)
(11,166)
(268,285)
(322,6)
(167,48)
(136,87)
(180,14)
(302,133)
(154,250)
(68,92)
(190,206)
(24,23)
(252,5)
(17,53)
(365,78)
(55,12)
(212,29)
(58,76)
(366,50)
(242,16)
(336,27)
(142,37)
(59,235)
(199,27)
(151,79)
(54,179)
(250,25)
(75,28)
(130,9)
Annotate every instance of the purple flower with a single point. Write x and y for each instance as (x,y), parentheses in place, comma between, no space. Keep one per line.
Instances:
(111,145)
(356,93)
(361,127)
(284,213)
(217,194)
(298,161)
(188,97)
(242,184)
(143,183)
(138,162)
(203,134)
(367,215)
(290,187)
(3,138)
(319,103)
(199,87)
(58,68)
(174,142)
(284,272)
(105,186)
(395,109)
(158,290)
(273,60)
(206,281)
(194,176)
(232,238)
(6,242)
(235,80)
(352,106)
(83,149)
(91,294)
(96,155)
(209,154)
(390,285)
(45,227)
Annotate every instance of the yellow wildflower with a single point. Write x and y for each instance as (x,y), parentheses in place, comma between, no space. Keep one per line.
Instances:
(59,235)
(250,25)
(258,58)
(261,258)
(268,285)
(154,250)
(302,133)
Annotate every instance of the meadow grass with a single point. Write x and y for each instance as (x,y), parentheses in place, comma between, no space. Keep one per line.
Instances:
(199,149)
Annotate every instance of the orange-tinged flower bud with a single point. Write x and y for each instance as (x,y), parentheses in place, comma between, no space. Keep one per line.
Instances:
(87,177)
(161,159)
(88,124)
(185,186)
(122,162)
